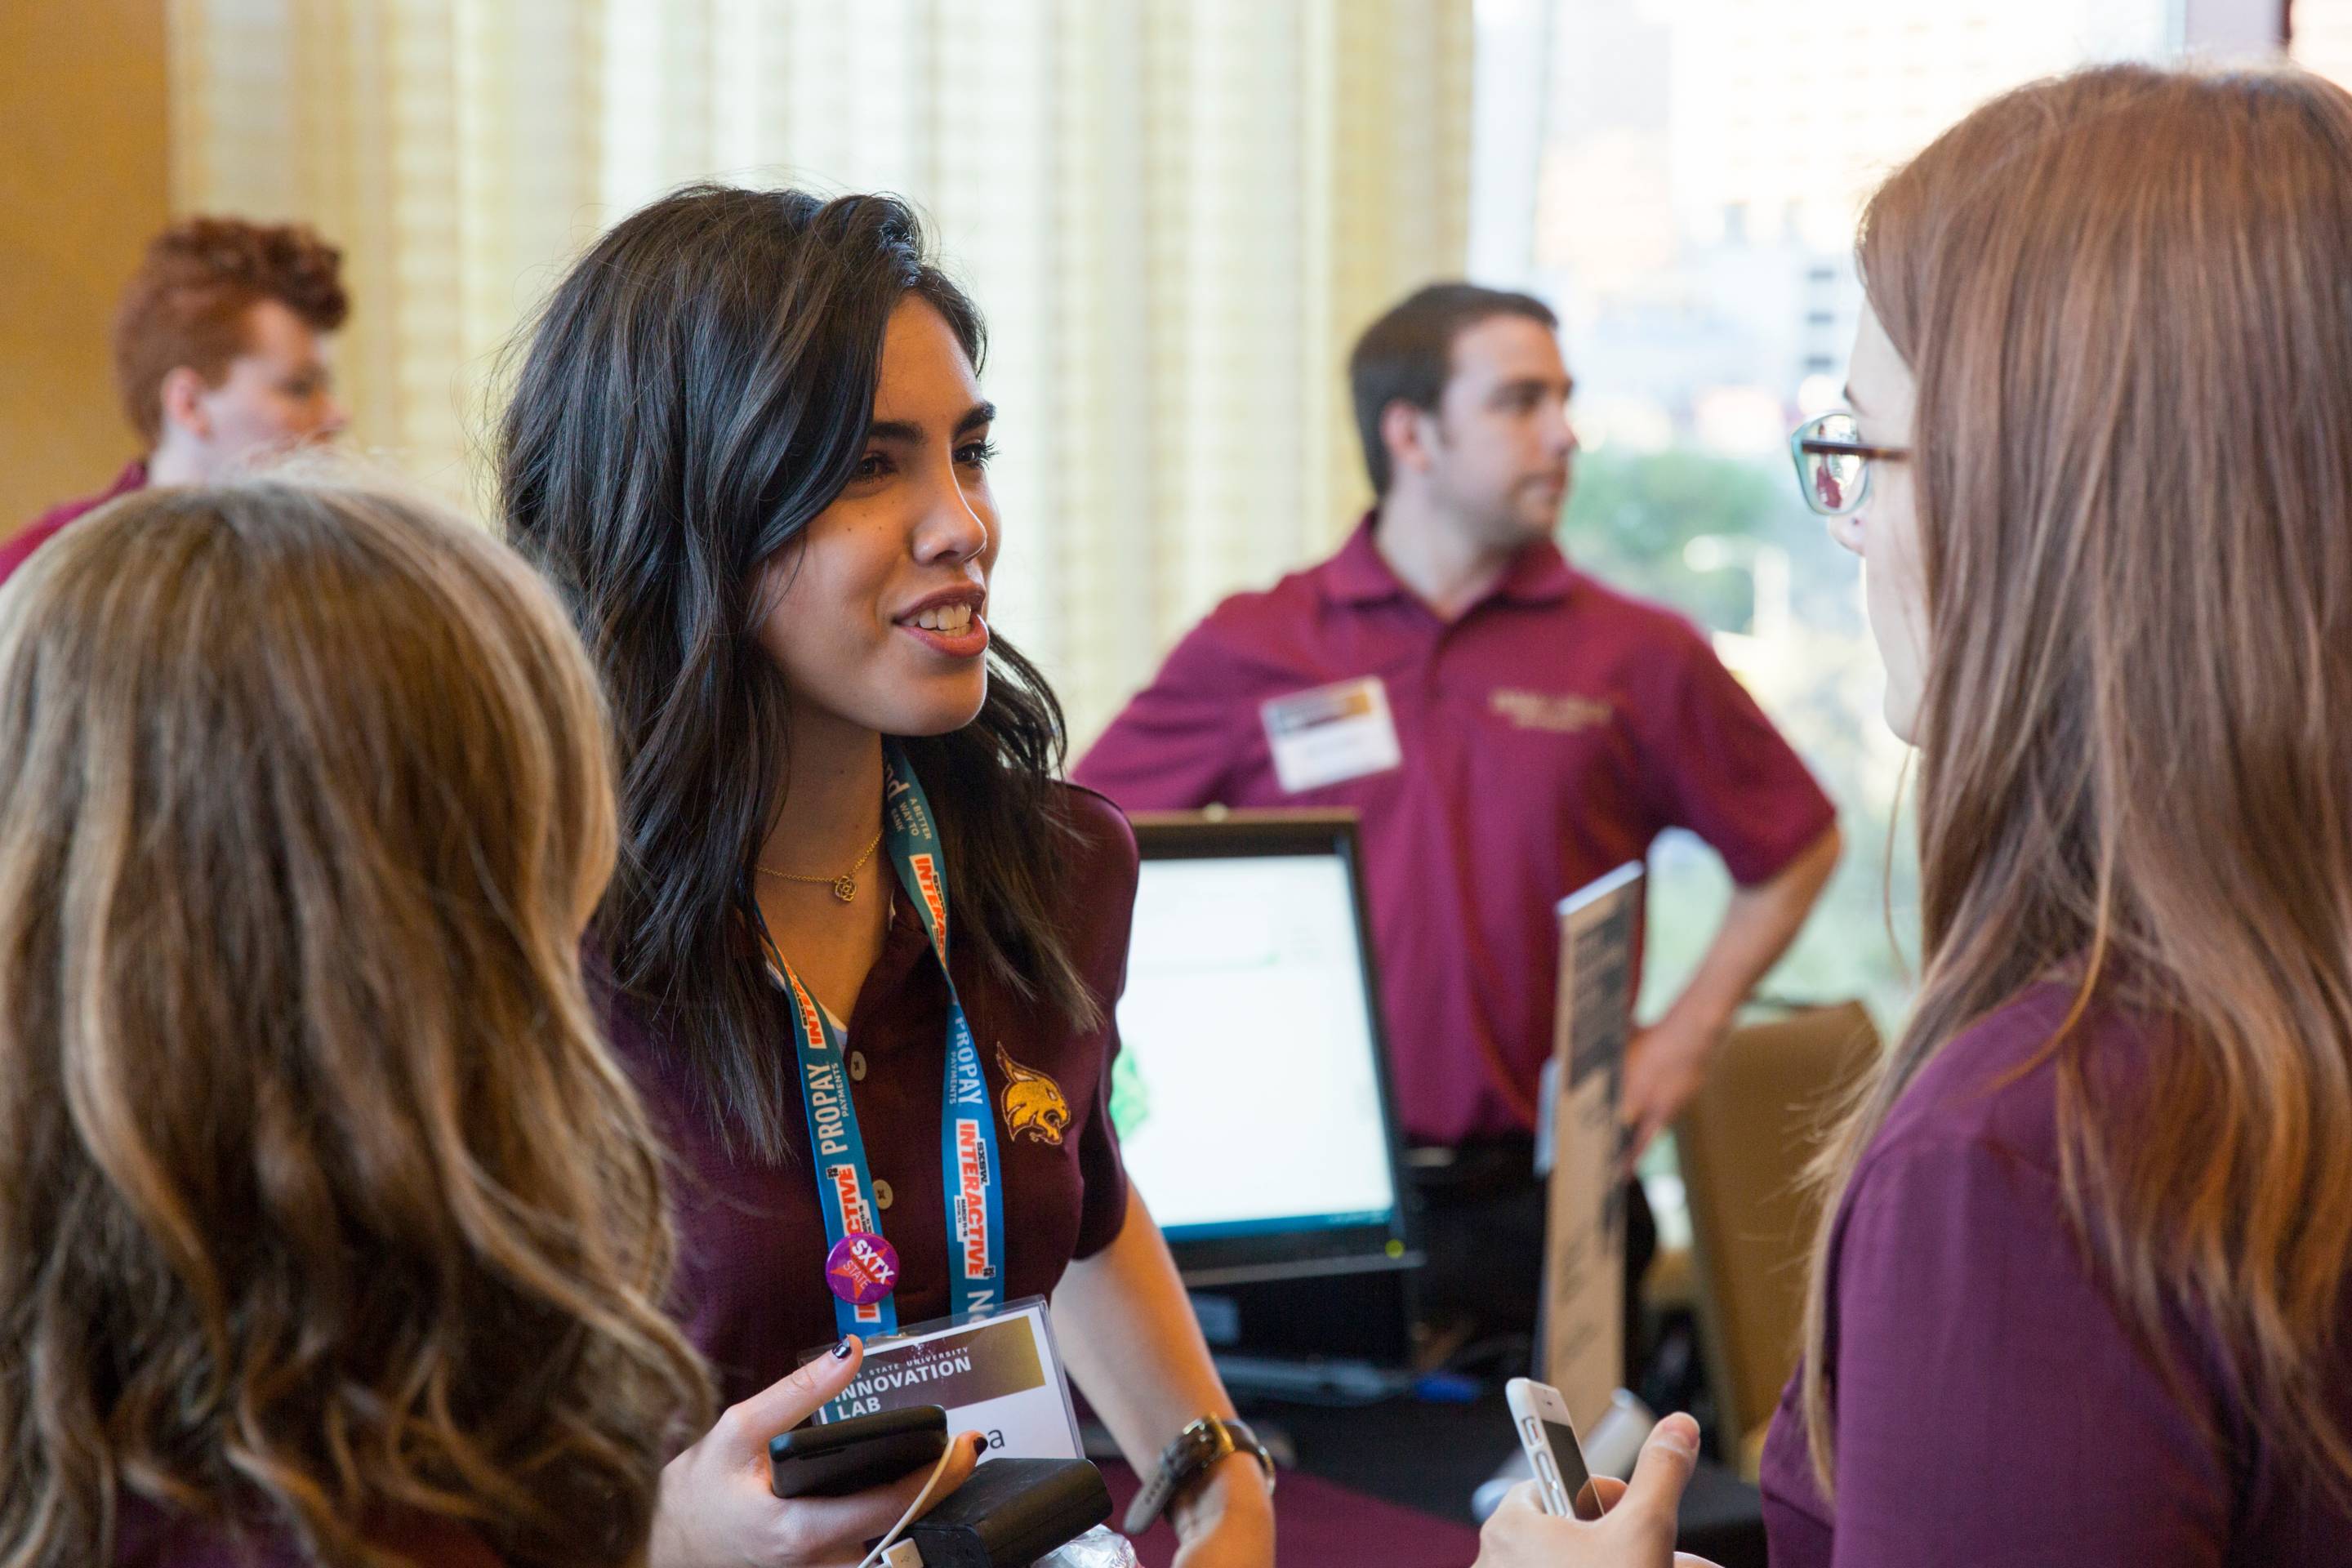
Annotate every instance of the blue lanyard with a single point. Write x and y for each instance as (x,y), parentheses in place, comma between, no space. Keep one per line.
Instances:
(972,1181)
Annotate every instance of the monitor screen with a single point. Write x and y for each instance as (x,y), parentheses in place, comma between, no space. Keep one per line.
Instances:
(1249,1096)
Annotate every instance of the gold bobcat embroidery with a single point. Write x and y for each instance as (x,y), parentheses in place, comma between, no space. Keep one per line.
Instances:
(1033,1103)
(1562,713)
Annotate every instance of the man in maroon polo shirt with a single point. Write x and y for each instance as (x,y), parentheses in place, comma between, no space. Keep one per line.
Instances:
(1509,729)
(221,356)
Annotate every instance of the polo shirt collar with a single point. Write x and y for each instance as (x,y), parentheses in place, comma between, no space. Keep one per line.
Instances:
(1539,574)
(1357,575)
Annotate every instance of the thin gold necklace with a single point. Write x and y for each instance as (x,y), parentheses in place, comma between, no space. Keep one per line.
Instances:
(844,886)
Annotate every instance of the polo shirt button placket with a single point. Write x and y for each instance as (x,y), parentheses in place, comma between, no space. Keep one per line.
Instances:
(858,1066)
(881,1194)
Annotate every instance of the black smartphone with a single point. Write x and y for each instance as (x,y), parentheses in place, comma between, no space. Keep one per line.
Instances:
(846,1457)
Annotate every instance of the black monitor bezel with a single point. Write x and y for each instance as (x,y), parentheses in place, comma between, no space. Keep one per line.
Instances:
(1216,835)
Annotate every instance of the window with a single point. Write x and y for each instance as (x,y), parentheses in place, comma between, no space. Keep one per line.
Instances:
(1698,340)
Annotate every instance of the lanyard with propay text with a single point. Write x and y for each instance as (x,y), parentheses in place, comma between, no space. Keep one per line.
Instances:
(862,1267)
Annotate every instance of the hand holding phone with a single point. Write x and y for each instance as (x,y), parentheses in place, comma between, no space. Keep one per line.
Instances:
(716,1503)
(1639,1532)
(1539,1415)
(846,1457)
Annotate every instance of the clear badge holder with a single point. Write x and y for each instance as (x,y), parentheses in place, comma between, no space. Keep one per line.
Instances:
(998,1372)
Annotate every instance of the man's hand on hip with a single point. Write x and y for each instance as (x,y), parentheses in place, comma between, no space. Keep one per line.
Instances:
(1666,1063)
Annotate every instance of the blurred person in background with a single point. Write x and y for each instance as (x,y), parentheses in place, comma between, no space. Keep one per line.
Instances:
(333,1234)
(856,905)
(1509,729)
(222,347)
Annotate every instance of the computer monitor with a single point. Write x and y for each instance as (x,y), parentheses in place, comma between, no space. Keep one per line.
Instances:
(1251,1096)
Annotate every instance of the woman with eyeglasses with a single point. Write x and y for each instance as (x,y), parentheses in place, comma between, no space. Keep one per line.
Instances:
(2079,1291)
(864,947)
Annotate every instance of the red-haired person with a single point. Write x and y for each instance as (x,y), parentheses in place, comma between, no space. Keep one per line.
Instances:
(221,355)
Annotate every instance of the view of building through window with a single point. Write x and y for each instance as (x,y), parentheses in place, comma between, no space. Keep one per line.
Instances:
(1698,168)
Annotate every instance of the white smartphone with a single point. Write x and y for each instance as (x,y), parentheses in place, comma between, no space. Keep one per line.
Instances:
(1540,1416)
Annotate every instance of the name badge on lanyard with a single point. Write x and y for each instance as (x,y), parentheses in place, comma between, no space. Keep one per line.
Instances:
(1331,734)
(862,1267)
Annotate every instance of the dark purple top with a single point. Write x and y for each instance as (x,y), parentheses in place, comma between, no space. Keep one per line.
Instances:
(39,531)
(1548,733)
(1992,1407)
(147,1536)
(750,1290)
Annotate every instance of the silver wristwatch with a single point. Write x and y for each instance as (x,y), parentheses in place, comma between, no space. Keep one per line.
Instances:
(1187,1460)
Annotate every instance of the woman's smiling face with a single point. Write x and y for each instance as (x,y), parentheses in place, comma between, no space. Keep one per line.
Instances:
(876,609)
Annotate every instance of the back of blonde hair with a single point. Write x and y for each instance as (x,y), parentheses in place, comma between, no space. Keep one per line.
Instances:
(2124,297)
(325,1201)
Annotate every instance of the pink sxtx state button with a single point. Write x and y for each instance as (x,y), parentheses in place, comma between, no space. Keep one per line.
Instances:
(861,1269)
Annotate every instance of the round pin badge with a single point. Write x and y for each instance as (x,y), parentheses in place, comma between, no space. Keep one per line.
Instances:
(861,1269)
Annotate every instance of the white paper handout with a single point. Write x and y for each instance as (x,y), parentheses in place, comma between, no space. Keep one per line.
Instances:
(1583,1338)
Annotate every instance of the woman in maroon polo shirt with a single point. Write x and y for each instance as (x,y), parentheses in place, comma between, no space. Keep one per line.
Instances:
(332,1234)
(864,947)
(2080,1294)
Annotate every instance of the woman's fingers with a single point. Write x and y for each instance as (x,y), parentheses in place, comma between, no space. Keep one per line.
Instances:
(863,1516)
(745,1429)
(1659,1475)
(1638,1530)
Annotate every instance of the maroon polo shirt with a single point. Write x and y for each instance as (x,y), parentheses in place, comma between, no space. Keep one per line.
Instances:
(1548,733)
(149,1536)
(750,1289)
(1993,1403)
(38,531)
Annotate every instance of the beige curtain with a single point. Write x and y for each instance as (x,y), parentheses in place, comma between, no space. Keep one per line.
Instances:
(1176,215)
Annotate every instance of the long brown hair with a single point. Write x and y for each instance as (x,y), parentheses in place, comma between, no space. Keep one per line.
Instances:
(2123,295)
(325,1204)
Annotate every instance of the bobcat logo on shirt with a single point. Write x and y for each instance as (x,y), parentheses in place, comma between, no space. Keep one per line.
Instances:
(1033,1103)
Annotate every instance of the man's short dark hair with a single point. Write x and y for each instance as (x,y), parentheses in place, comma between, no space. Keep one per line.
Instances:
(1406,356)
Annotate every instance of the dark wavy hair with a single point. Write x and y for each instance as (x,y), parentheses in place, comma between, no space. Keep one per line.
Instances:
(696,391)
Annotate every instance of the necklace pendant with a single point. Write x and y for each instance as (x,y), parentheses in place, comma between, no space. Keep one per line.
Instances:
(844,887)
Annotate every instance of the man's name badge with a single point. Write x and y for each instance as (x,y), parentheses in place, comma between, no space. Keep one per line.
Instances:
(862,1268)
(1331,734)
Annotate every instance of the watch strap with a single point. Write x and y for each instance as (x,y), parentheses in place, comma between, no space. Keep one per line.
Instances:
(1203,1444)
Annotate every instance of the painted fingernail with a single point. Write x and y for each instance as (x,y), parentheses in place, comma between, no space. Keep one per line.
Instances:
(843,1351)
(979,1445)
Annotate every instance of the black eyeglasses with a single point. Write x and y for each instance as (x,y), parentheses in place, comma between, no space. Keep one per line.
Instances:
(1833,463)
